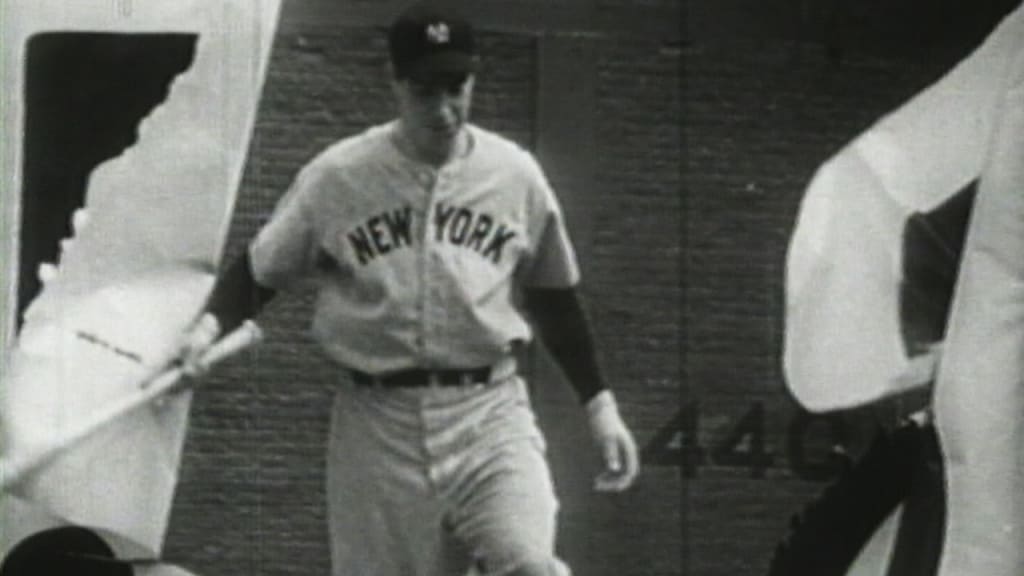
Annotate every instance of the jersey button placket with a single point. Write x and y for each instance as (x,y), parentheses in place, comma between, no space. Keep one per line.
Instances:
(420,280)
(426,277)
(427,418)
(436,409)
(438,309)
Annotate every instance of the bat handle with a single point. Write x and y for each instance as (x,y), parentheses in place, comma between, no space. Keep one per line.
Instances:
(247,334)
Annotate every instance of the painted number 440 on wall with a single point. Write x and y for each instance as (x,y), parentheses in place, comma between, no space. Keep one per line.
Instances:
(813,447)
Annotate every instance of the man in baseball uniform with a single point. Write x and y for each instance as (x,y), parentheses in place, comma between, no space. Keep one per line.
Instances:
(430,241)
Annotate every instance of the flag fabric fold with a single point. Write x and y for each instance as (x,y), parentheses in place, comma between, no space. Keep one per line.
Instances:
(979,395)
(945,174)
(843,339)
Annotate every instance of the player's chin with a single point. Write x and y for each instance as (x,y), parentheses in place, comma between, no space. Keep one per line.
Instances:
(443,130)
(444,135)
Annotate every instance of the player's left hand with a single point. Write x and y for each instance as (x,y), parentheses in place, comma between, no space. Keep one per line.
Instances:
(614,440)
(195,344)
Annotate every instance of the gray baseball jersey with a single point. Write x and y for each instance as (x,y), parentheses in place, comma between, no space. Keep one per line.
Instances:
(417,266)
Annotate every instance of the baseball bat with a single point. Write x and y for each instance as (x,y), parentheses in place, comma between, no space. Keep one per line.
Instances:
(13,470)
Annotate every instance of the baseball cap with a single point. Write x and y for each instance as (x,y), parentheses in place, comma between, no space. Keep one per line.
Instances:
(428,41)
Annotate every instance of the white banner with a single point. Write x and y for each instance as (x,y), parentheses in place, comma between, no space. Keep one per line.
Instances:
(979,397)
(843,334)
(843,343)
(137,270)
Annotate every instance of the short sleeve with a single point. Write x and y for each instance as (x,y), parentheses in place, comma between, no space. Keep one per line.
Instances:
(552,261)
(284,251)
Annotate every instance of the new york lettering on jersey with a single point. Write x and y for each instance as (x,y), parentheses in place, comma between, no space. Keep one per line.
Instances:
(461,226)
(478,231)
(381,233)
(415,266)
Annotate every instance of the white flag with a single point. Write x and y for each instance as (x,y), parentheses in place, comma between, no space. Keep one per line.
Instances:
(135,273)
(843,337)
(979,395)
(845,345)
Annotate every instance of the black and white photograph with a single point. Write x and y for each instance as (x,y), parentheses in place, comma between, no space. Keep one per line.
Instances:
(512,288)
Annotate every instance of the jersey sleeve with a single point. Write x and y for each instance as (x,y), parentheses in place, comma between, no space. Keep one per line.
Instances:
(285,249)
(552,261)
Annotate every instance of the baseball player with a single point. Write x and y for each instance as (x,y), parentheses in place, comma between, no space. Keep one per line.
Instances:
(430,241)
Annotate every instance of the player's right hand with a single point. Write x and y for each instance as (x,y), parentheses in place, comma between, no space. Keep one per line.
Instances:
(195,343)
(615,442)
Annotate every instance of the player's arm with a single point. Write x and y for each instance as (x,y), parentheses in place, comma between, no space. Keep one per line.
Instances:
(549,285)
(561,323)
(236,297)
(284,251)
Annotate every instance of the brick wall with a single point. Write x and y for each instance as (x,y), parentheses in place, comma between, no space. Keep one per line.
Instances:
(632,269)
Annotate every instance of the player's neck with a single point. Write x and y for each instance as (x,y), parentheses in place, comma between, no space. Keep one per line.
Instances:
(436,153)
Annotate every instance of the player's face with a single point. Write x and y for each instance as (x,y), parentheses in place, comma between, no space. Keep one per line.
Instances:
(434,112)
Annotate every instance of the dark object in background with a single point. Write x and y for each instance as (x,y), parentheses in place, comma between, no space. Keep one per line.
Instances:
(67,551)
(85,95)
(901,466)
(933,245)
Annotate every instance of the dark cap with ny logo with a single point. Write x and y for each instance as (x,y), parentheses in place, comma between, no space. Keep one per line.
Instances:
(428,42)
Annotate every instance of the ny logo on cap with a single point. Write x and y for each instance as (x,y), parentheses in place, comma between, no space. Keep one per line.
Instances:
(438,33)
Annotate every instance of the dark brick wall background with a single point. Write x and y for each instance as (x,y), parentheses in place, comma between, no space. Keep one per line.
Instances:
(760,119)
(701,151)
(761,112)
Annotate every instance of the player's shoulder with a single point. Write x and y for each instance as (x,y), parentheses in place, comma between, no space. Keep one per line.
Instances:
(517,165)
(354,150)
(494,148)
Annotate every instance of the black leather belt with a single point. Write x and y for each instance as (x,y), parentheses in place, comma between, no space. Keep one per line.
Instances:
(418,378)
